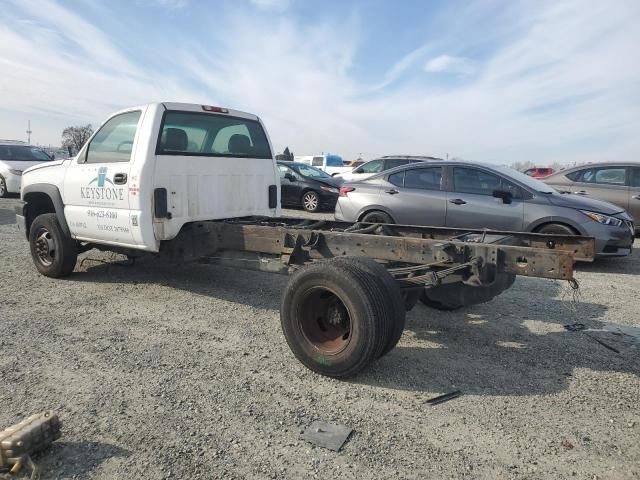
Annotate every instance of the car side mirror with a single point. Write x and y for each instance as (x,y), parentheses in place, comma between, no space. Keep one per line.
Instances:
(357,170)
(290,177)
(506,196)
(52,156)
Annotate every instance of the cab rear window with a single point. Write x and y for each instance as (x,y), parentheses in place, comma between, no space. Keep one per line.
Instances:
(210,135)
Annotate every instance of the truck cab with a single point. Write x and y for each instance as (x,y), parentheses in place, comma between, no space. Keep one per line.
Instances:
(150,170)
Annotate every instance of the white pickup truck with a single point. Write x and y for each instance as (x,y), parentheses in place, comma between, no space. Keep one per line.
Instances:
(328,163)
(183,182)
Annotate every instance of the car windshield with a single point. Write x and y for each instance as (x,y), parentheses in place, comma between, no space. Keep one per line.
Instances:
(526,180)
(23,153)
(307,171)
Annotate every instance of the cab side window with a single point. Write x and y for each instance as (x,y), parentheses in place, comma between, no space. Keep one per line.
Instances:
(114,141)
(317,161)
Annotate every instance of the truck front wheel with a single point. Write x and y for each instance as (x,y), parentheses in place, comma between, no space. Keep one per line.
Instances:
(335,318)
(54,253)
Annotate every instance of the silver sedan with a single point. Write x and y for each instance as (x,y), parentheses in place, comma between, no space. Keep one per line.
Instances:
(471,195)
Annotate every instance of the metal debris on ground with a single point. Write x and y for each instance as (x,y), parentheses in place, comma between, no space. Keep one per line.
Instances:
(444,398)
(327,435)
(19,442)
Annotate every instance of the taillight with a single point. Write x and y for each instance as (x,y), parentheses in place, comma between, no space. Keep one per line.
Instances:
(208,108)
(345,190)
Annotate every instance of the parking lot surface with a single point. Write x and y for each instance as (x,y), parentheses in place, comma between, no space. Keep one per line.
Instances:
(164,371)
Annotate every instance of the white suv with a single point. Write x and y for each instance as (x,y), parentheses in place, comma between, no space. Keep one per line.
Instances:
(15,157)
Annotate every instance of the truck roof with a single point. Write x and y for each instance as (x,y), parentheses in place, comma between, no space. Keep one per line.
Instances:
(194,107)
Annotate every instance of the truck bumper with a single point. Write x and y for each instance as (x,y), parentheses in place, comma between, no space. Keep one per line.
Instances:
(21,217)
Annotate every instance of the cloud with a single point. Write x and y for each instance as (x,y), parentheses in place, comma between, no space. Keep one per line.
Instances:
(270,4)
(563,85)
(447,64)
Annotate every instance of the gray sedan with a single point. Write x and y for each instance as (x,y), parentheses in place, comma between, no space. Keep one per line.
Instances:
(618,183)
(471,195)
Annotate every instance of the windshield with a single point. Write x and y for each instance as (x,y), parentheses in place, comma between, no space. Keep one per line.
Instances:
(23,153)
(526,180)
(307,171)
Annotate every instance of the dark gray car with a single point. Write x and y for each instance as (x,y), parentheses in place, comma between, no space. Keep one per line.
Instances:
(617,183)
(471,195)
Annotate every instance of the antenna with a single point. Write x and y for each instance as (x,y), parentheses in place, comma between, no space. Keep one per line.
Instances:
(29,132)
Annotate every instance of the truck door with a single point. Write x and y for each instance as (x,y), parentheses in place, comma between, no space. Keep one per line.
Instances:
(96,193)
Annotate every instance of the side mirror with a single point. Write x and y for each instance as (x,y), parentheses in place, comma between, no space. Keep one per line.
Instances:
(53,156)
(506,196)
(290,177)
(357,170)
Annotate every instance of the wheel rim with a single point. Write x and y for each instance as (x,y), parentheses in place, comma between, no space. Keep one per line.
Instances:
(45,247)
(3,188)
(325,321)
(310,201)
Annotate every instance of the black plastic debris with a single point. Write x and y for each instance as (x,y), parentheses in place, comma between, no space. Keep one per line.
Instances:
(327,435)
(580,327)
(444,398)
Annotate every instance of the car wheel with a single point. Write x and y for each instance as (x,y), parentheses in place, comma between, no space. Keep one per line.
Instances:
(377,217)
(3,187)
(555,229)
(311,201)
(54,253)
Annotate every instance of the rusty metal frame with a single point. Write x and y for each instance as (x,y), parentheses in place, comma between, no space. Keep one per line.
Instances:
(296,242)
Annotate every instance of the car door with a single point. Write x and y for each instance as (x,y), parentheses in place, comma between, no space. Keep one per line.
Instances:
(289,186)
(471,204)
(634,194)
(96,193)
(415,197)
(603,183)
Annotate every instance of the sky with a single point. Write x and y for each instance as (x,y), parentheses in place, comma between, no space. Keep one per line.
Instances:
(493,81)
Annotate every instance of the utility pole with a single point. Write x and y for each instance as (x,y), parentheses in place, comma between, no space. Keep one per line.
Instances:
(29,132)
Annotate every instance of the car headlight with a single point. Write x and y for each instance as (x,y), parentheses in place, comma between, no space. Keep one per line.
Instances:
(15,172)
(329,189)
(603,219)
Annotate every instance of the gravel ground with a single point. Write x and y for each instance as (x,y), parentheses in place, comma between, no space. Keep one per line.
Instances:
(164,372)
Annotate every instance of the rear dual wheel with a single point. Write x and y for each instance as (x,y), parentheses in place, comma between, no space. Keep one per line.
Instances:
(338,316)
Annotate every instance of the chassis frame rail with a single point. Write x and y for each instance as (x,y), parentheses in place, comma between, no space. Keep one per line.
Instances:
(472,256)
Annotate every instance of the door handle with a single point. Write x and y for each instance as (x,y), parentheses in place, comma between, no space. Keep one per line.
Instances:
(120,178)
(457,201)
(391,191)
(581,192)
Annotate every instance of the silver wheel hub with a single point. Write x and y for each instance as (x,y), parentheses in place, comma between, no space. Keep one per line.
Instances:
(45,247)
(310,201)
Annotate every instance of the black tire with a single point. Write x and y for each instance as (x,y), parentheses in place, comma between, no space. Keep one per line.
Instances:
(438,305)
(411,298)
(3,187)
(310,201)
(453,296)
(376,216)
(54,253)
(393,298)
(334,318)
(556,229)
